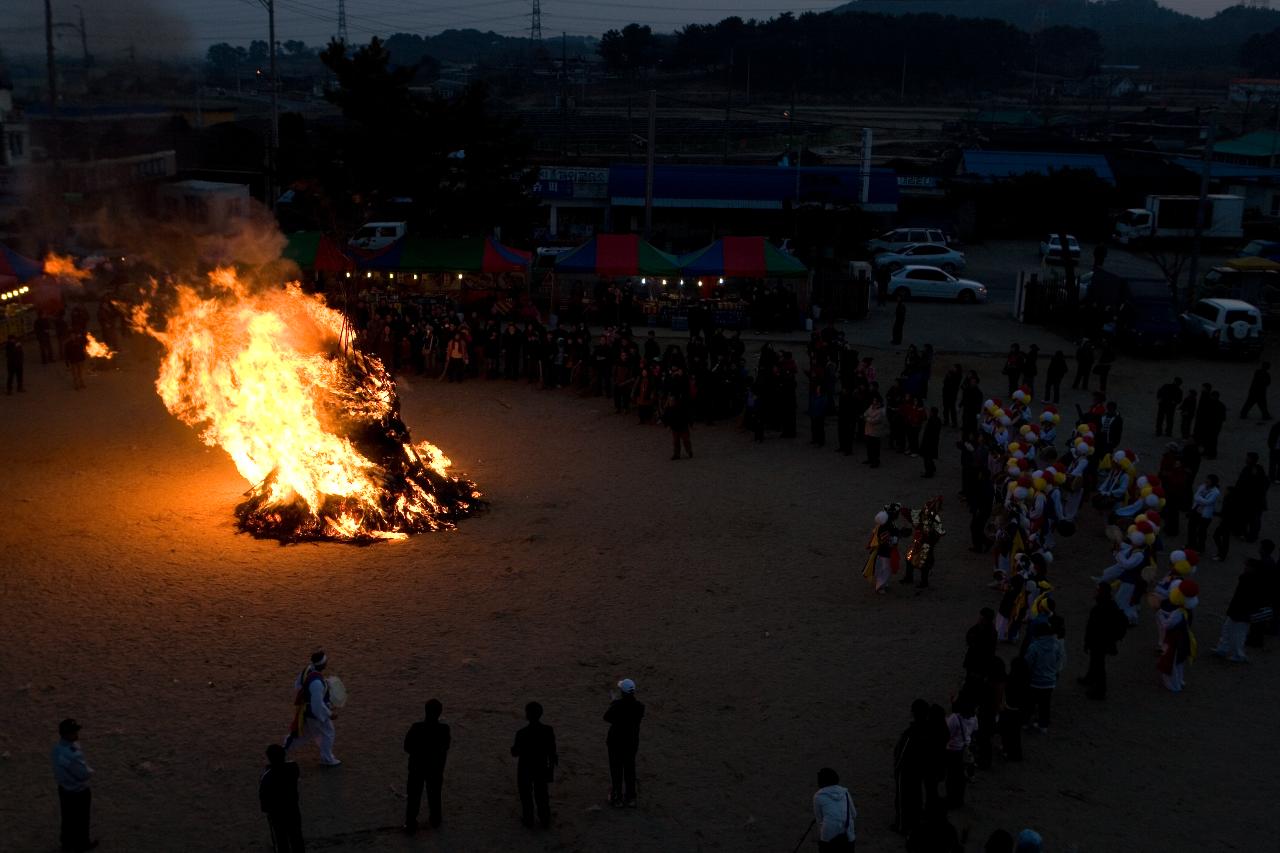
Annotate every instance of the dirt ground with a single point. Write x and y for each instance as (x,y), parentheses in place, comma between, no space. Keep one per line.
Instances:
(728,586)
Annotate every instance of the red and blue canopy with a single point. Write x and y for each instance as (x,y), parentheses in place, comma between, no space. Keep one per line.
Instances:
(13,265)
(617,255)
(742,257)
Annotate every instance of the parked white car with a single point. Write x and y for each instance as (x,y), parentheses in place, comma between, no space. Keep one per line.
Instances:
(900,238)
(1226,325)
(921,282)
(931,254)
(1051,248)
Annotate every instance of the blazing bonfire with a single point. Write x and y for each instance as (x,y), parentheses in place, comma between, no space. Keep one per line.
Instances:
(270,375)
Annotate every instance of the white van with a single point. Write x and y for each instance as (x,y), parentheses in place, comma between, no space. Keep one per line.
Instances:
(378,235)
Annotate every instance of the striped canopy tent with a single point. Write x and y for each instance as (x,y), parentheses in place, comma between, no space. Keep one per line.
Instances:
(617,255)
(313,250)
(742,257)
(462,255)
(15,266)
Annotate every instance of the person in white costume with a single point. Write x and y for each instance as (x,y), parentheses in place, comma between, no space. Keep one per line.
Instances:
(1124,573)
(313,710)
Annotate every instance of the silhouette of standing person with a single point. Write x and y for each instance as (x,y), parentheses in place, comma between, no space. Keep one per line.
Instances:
(535,751)
(624,716)
(13,364)
(74,352)
(72,773)
(427,743)
(278,796)
(899,319)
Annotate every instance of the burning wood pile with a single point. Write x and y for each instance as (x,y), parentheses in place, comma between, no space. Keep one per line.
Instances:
(312,423)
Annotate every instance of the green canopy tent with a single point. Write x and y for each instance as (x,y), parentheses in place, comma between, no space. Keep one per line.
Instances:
(317,252)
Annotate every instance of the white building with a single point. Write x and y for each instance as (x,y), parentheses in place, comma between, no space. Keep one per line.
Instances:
(1254,90)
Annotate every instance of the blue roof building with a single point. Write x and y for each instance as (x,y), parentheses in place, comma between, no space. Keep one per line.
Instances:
(998,165)
(753,187)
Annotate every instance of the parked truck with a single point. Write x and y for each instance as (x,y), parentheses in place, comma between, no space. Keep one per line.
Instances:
(1168,217)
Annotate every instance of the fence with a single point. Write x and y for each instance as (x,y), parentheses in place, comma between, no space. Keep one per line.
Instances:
(1051,302)
(841,295)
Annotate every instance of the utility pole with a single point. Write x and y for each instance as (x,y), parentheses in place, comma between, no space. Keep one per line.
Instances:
(728,107)
(791,121)
(52,68)
(1271,162)
(650,144)
(902,89)
(273,149)
(564,89)
(84,40)
(1202,208)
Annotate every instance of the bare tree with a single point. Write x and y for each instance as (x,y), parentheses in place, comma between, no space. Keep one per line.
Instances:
(1172,259)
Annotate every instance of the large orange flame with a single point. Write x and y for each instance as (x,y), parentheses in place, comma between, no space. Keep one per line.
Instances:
(312,425)
(61,266)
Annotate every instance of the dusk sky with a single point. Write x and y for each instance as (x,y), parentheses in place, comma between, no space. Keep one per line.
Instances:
(190,26)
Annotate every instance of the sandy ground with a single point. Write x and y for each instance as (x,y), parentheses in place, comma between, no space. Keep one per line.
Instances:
(728,586)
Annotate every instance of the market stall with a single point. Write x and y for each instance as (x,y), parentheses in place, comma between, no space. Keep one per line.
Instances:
(440,275)
(17,275)
(612,277)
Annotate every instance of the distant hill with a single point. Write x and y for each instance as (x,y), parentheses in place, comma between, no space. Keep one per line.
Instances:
(472,46)
(1138,32)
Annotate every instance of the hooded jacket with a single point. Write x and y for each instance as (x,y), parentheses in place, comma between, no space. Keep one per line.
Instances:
(1043,657)
(834,812)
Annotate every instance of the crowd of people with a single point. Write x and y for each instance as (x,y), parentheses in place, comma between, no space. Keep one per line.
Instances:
(64,336)
(1027,479)
(1026,485)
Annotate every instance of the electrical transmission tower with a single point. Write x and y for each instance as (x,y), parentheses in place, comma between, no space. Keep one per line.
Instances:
(535,22)
(1259,4)
(342,21)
